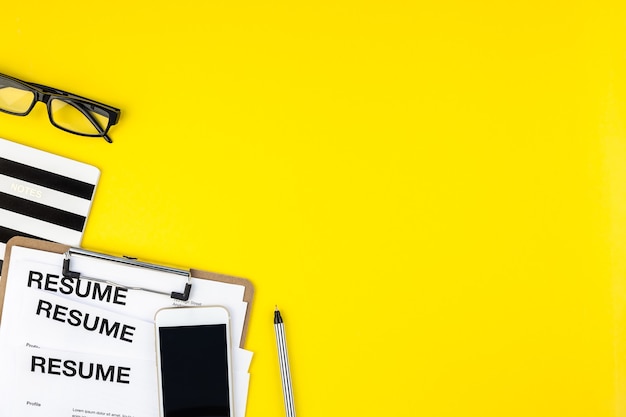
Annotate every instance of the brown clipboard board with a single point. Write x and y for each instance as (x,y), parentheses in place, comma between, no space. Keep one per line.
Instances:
(60,249)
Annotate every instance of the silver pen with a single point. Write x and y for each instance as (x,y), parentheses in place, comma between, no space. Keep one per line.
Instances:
(283,360)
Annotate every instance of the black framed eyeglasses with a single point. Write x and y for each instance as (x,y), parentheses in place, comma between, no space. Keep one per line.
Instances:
(67,111)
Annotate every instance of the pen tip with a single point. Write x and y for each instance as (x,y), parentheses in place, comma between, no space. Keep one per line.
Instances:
(277,318)
(276,308)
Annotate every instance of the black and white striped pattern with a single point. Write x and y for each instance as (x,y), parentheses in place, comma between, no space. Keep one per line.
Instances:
(43,195)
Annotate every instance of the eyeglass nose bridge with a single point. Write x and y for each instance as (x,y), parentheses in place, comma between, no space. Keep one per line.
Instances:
(41,96)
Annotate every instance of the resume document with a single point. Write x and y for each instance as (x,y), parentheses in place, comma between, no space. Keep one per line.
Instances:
(82,348)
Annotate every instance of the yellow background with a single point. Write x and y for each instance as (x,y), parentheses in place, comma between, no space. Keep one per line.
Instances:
(434,193)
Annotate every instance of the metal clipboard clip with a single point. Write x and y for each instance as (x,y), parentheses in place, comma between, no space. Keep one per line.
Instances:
(68,273)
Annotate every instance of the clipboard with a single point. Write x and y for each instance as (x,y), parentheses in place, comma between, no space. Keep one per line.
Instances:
(176,293)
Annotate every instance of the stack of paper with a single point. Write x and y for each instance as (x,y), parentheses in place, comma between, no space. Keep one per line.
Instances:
(74,348)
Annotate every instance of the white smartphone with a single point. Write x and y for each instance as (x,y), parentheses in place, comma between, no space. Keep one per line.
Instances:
(194,362)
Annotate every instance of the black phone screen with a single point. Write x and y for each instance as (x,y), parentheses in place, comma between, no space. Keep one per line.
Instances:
(194,371)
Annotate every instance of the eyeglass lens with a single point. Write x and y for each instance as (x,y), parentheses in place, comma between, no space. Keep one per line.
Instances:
(14,98)
(75,117)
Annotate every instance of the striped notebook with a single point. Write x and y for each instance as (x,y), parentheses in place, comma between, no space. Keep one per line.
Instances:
(43,195)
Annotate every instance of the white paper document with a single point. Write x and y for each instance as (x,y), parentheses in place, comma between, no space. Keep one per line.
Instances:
(62,322)
(78,348)
(70,384)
